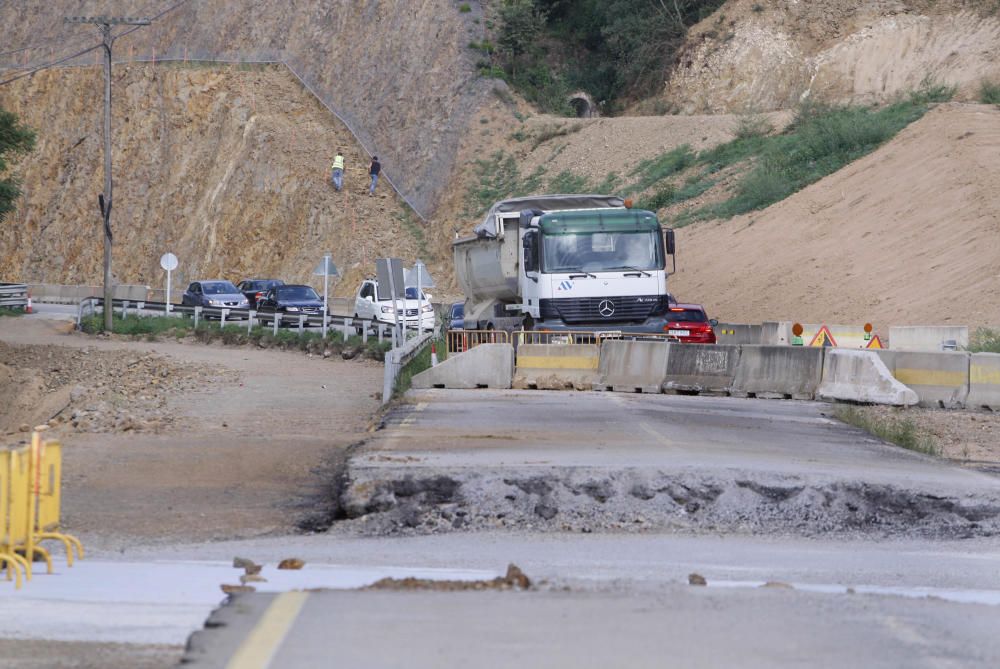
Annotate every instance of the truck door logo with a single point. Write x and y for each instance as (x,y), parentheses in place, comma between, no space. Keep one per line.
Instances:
(606,308)
(565,285)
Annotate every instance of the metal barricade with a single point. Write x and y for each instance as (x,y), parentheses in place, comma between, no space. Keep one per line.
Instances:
(463,340)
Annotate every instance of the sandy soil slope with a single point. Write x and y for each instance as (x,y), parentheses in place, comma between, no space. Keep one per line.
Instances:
(906,235)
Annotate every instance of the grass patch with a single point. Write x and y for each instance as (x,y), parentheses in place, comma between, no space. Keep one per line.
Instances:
(417,364)
(498,178)
(654,170)
(902,432)
(984,340)
(10,311)
(989,93)
(138,325)
(567,182)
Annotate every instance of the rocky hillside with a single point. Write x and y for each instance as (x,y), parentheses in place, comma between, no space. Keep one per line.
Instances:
(398,72)
(228,168)
(771,55)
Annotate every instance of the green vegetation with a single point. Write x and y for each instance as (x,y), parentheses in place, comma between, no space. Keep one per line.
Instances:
(499,177)
(615,50)
(984,340)
(894,429)
(653,171)
(15,139)
(419,363)
(989,93)
(9,311)
(153,328)
(464,8)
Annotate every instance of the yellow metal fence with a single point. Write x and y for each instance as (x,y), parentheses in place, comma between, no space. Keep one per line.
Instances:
(463,340)
(30,503)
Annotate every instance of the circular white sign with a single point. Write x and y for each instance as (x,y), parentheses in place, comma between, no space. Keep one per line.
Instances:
(168,261)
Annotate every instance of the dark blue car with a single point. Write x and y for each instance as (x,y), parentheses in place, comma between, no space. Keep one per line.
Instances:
(290,301)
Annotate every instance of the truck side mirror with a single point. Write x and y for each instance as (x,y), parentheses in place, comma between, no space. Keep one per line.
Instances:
(671,243)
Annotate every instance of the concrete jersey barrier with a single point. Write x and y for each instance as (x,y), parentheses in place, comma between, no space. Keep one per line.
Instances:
(557,366)
(929,338)
(941,380)
(861,376)
(984,381)
(484,366)
(633,366)
(778,372)
(701,369)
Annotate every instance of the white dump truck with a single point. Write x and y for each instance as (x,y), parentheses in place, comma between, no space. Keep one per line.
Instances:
(566,263)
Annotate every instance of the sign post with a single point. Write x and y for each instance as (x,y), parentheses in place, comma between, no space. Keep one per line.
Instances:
(423,279)
(168,261)
(326,268)
(390,273)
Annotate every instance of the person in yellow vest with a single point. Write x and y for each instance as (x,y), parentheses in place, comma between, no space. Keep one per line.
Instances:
(338,171)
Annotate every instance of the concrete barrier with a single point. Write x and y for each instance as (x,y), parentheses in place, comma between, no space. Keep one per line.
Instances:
(941,380)
(557,366)
(778,372)
(738,333)
(485,366)
(700,369)
(861,376)
(984,381)
(928,337)
(633,366)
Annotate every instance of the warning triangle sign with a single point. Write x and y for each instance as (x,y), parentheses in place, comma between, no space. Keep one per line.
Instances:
(823,338)
(875,342)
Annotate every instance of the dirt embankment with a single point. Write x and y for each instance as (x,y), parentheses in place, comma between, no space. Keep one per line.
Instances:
(227,168)
(771,55)
(905,235)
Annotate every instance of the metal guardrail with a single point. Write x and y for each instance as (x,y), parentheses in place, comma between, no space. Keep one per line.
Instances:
(247,317)
(463,340)
(14,295)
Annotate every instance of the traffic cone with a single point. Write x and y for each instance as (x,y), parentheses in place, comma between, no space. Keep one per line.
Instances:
(434,354)
(28,309)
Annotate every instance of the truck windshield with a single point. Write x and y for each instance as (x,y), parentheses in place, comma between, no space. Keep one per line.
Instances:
(602,252)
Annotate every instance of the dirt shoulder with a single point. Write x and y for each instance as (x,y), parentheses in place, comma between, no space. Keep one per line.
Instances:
(235,447)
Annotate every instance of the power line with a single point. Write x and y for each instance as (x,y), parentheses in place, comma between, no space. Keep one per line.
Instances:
(41,44)
(51,64)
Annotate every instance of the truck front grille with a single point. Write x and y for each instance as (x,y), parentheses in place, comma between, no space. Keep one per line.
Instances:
(610,309)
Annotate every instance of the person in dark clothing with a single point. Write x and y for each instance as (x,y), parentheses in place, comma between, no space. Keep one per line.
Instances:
(373,172)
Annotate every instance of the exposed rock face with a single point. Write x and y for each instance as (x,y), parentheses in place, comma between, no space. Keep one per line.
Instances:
(769,56)
(398,72)
(227,168)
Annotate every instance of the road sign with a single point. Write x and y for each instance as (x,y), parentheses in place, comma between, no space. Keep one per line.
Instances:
(876,342)
(823,338)
(168,261)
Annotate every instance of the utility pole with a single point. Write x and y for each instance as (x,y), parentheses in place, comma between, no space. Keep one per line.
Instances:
(104,24)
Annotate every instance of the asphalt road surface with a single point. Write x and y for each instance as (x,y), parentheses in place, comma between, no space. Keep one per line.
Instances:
(806,594)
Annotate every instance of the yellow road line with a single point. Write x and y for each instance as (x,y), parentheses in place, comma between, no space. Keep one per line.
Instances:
(930,377)
(260,646)
(557,362)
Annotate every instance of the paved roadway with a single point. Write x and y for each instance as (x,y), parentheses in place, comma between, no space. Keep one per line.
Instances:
(613,599)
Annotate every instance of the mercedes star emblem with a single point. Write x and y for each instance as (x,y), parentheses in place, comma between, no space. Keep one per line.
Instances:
(606,308)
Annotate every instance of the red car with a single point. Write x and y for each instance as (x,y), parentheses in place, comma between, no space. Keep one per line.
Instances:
(690,324)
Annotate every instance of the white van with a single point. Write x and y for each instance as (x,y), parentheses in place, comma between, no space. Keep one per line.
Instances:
(371,305)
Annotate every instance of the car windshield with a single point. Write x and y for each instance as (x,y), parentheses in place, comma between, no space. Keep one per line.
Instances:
(411,294)
(602,252)
(219,288)
(458,310)
(261,285)
(297,293)
(686,315)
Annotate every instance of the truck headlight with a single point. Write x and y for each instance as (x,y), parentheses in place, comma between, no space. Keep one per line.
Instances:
(386,310)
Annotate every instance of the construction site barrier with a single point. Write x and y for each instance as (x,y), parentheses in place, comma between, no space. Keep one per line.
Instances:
(633,366)
(463,340)
(556,366)
(30,504)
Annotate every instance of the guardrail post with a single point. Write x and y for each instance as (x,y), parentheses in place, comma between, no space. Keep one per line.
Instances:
(380,333)
(197,313)
(251,315)
(346,321)
(222,321)
(302,320)
(124,309)
(364,332)
(277,319)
